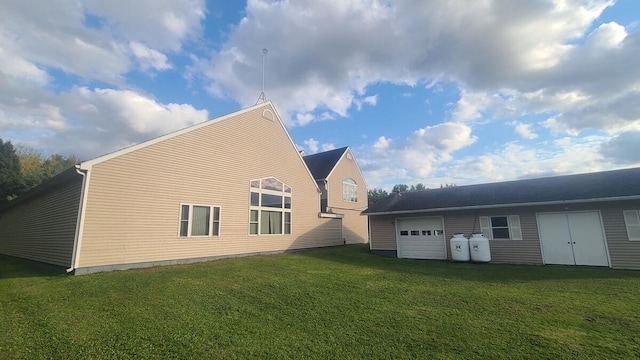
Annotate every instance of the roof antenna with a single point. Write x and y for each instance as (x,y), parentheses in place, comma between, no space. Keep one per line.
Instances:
(262,97)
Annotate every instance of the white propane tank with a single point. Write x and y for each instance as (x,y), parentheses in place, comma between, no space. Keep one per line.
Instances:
(479,247)
(459,248)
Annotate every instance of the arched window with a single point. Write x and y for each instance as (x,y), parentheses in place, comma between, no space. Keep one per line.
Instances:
(269,207)
(349,190)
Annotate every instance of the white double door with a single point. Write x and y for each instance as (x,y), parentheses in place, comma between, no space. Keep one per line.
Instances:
(573,238)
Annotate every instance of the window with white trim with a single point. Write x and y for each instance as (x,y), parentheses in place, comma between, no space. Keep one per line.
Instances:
(505,227)
(269,207)
(349,190)
(632,223)
(199,220)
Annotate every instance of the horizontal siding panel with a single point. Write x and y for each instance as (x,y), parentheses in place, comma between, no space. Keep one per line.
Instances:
(383,232)
(43,228)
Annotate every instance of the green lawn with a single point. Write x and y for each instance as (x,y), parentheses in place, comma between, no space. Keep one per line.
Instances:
(336,303)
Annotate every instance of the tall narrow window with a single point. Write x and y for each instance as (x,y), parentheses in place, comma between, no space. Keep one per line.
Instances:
(184,220)
(349,190)
(199,220)
(269,207)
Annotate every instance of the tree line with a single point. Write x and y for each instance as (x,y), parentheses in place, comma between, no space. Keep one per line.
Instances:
(374,195)
(23,168)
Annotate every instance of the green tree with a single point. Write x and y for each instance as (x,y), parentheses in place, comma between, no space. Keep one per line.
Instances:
(31,172)
(9,172)
(400,188)
(420,186)
(56,164)
(374,195)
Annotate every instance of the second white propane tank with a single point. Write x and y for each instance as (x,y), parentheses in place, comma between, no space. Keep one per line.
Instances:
(479,248)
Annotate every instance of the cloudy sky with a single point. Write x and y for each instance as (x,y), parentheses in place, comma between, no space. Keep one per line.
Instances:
(423,91)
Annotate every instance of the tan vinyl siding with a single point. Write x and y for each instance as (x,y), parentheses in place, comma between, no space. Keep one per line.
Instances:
(133,205)
(43,228)
(383,232)
(355,225)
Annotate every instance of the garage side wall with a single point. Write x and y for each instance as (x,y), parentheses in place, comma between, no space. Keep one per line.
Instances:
(383,235)
(43,228)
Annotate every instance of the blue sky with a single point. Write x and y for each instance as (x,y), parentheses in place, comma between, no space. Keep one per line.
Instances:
(423,91)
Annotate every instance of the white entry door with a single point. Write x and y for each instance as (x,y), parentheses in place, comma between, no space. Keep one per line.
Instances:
(574,238)
(421,238)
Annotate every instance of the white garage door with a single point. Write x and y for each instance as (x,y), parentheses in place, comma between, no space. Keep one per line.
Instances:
(574,238)
(421,238)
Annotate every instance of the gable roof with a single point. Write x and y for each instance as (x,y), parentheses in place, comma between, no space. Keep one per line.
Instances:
(601,186)
(321,164)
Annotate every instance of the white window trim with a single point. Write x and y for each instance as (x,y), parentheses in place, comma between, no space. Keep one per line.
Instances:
(354,186)
(513,223)
(190,220)
(631,222)
(260,208)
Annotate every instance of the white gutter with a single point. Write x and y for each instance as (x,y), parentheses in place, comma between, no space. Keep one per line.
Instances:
(80,222)
(493,206)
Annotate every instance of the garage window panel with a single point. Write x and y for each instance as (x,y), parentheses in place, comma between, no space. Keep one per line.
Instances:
(632,223)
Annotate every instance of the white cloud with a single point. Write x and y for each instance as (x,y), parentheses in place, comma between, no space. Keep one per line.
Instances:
(312,145)
(149,58)
(623,148)
(445,137)
(328,146)
(608,35)
(90,122)
(163,24)
(509,59)
(369,100)
(414,157)
(509,161)
(41,34)
(382,143)
(304,119)
(524,130)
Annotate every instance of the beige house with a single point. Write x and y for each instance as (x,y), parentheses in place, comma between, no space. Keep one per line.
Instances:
(585,219)
(344,190)
(231,186)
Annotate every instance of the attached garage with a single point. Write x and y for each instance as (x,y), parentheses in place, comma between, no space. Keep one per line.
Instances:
(584,219)
(421,238)
(573,238)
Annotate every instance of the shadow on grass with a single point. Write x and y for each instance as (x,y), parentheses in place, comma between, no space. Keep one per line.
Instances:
(359,255)
(12,267)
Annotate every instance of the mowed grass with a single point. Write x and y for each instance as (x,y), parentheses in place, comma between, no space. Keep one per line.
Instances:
(334,303)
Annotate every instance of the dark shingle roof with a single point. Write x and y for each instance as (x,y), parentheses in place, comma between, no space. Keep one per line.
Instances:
(570,188)
(321,164)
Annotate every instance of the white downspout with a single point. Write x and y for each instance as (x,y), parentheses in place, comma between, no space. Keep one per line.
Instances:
(80,221)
